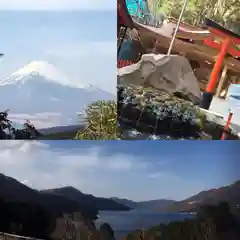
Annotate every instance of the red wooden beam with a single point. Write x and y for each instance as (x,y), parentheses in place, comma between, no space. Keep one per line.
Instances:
(219,33)
(234,52)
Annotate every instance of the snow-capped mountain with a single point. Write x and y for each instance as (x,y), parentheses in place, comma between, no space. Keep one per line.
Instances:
(40,88)
(41,68)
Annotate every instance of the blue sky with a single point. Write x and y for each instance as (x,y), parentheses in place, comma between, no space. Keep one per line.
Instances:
(138,170)
(57,4)
(79,42)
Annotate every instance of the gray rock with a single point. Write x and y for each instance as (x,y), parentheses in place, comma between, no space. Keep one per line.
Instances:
(172,74)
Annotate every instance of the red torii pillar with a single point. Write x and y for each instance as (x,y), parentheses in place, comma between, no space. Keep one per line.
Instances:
(226,46)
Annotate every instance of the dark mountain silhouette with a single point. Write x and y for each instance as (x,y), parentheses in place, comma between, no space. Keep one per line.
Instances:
(12,190)
(60,132)
(98,202)
(230,194)
(152,204)
(61,129)
(58,201)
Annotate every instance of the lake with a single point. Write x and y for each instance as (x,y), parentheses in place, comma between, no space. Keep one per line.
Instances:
(124,222)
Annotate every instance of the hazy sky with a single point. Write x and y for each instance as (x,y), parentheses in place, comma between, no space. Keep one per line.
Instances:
(138,170)
(81,44)
(57,4)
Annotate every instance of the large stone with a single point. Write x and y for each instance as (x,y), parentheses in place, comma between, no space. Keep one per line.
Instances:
(172,74)
(148,113)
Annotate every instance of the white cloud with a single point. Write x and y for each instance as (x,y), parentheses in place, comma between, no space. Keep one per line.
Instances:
(162,175)
(39,166)
(43,120)
(58,4)
(155,175)
(27,183)
(120,163)
(96,169)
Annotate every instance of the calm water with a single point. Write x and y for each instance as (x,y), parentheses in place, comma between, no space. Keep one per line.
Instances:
(126,222)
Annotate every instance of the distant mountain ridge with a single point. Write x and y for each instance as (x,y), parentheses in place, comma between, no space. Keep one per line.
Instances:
(151,204)
(230,194)
(98,202)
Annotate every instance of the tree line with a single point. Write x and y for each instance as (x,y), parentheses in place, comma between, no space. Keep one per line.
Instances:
(225,12)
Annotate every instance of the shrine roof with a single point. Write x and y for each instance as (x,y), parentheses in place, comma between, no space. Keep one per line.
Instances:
(212,24)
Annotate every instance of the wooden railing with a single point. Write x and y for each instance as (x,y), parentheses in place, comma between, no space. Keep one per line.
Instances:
(7,236)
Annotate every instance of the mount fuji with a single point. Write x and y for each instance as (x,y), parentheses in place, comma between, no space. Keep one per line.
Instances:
(39,89)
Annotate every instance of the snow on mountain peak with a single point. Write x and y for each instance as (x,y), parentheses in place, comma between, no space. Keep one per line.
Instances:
(42,68)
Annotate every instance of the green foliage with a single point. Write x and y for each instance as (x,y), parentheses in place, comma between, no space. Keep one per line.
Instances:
(101,117)
(226,12)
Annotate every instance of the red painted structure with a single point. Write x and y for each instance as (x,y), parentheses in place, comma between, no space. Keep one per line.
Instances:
(227,46)
(124,63)
(228,40)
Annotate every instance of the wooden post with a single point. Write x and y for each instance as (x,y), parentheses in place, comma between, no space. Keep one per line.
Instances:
(235,81)
(222,80)
(218,65)
(208,94)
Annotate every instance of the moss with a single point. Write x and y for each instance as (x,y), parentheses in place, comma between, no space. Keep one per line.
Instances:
(149,113)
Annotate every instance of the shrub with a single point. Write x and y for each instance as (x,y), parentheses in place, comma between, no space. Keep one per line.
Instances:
(101,118)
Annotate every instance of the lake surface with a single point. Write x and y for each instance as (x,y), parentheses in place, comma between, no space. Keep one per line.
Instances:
(128,221)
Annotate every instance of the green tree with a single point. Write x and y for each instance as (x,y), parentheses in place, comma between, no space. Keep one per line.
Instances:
(101,118)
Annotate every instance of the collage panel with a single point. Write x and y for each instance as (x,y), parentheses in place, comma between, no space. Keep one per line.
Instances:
(73,71)
(57,69)
(178,71)
(109,190)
